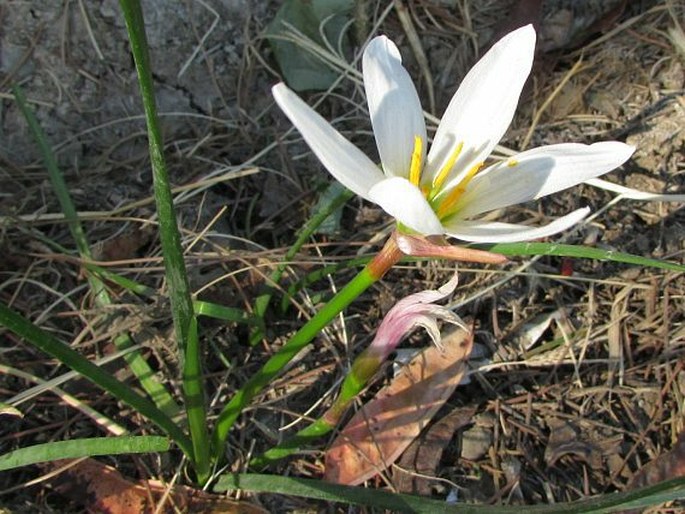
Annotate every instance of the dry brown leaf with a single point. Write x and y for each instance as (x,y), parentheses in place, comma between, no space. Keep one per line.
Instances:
(665,467)
(379,432)
(102,489)
(564,440)
(421,460)
(98,487)
(122,246)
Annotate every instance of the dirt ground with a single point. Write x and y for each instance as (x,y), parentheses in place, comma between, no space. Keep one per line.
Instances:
(579,381)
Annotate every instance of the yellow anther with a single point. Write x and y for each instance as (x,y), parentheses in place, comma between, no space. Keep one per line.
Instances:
(446,207)
(512,163)
(440,178)
(415,167)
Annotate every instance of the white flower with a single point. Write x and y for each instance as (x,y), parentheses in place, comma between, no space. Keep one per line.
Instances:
(445,190)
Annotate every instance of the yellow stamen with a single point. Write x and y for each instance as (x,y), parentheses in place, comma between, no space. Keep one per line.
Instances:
(511,163)
(446,207)
(440,178)
(415,167)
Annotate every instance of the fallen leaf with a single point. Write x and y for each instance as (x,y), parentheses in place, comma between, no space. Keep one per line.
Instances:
(316,20)
(99,488)
(533,330)
(665,467)
(475,442)
(420,461)
(123,246)
(580,440)
(102,489)
(564,440)
(380,431)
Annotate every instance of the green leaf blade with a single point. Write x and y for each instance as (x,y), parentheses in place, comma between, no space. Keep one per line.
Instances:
(578,251)
(75,361)
(88,447)
(317,489)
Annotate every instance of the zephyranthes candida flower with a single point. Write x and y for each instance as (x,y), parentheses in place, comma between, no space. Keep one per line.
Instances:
(447,189)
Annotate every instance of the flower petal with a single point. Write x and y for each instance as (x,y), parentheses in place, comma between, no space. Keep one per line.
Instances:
(341,158)
(404,202)
(414,310)
(482,108)
(493,232)
(394,106)
(421,246)
(429,295)
(539,172)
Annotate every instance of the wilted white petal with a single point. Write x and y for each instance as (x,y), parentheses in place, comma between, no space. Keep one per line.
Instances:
(482,108)
(394,106)
(414,310)
(493,232)
(404,202)
(431,326)
(539,172)
(341,158)
(430,295)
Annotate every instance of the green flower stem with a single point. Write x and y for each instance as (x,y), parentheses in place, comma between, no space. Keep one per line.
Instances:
(367,364)
(370,274)
(363,368)
(185,323)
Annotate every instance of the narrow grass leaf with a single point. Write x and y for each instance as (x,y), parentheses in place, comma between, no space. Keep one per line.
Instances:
(320,490)
(59,186)
(317,489)
(135,360)
(585,252)
(216,311)
(261,304)
(52,346)
(170,237)
(320,273)
(193,390)
(123,282)
(88,447)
